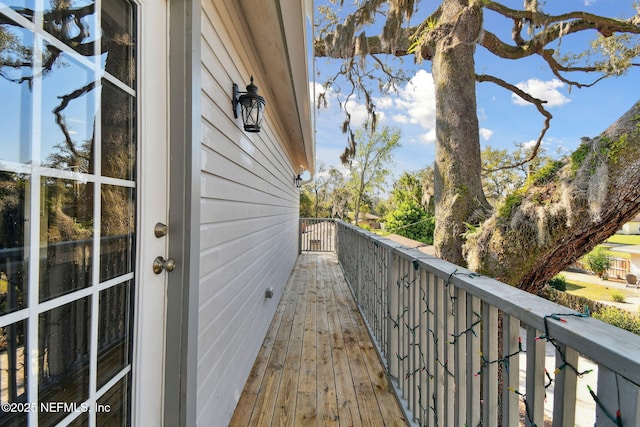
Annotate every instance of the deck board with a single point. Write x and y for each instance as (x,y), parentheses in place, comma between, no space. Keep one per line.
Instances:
(317,365)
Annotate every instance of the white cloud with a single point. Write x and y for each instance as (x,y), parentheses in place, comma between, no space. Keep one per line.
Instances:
(547,91)
(414,103)
(529,144)
(400,118)
(486,133)
(358,113)
(385,102)
(315,89)
(418,101)
(429,137)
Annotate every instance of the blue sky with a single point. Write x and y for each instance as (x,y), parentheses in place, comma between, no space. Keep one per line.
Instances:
(505,122)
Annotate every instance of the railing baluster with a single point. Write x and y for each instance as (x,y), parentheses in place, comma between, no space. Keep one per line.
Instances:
(402,331)
(474,348)
(459,344)
(423,402)
(565,387)
(490,370)
(431,351)
(448,356)
(511,369)
(439,341)
(535,393)
(392,317)
(616,396)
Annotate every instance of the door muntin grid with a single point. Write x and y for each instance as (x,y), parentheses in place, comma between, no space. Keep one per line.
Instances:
(68,148)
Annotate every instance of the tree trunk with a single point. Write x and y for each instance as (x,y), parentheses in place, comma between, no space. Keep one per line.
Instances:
(564,211)
(459,196)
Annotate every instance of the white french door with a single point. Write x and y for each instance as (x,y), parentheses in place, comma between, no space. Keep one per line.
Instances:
(83,173)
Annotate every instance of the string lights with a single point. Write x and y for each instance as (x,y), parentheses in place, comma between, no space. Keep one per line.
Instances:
(401,319)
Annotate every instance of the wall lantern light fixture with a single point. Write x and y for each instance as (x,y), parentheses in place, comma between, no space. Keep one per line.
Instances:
(297,180)
(251,106)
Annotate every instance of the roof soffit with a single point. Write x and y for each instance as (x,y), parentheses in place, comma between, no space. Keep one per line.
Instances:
(279,41)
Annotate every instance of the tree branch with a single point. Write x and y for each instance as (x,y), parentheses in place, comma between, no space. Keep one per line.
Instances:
(66,99)
(539,104)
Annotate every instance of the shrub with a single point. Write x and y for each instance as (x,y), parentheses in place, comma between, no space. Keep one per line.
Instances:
(558,282)
(411,221)
(599,260)
(618,297)
(620,318)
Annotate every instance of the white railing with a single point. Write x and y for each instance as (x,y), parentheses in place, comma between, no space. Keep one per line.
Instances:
(437,329)
(317,235)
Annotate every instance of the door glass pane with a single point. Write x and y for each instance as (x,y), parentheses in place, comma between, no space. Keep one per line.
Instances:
(114,331)
(69,111)
(66,230)
(118,226)
(118,132)
(63,357)
(74,24)
(81,421)
(13,375)
(16,59)
(13,253)
(23,7)
(117,40)
(114,407)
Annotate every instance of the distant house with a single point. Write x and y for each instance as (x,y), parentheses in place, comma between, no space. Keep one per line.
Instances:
(367,219)
(631,227)
(140,224)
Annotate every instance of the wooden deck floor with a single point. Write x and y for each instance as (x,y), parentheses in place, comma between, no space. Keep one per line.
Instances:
(317,365)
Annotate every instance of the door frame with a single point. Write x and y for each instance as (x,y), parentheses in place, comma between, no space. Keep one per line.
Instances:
(181,354)
(153,125)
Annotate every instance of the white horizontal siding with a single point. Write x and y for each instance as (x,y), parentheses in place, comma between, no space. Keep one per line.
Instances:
(249,214)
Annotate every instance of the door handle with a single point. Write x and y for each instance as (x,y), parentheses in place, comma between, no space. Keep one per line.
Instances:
(160,264)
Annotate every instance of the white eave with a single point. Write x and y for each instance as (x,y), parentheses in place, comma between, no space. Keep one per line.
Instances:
(278,29)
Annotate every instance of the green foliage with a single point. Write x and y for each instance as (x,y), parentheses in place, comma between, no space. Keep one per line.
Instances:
(620,318)
(616,146)
(411,221)
(502,177)
(407,187)
(618,297)
(558,282)
(306,205)
(511,202)
(598,260)
(546,172)
(578,156)
(370,165)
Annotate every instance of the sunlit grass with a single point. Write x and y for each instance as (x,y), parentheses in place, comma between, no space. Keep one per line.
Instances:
(596,292)
(625,239)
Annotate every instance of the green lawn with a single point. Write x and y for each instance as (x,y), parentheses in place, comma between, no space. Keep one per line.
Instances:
(595,291)
(631,239)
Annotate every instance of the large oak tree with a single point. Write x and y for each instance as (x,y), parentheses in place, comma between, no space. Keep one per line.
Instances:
(569,207)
